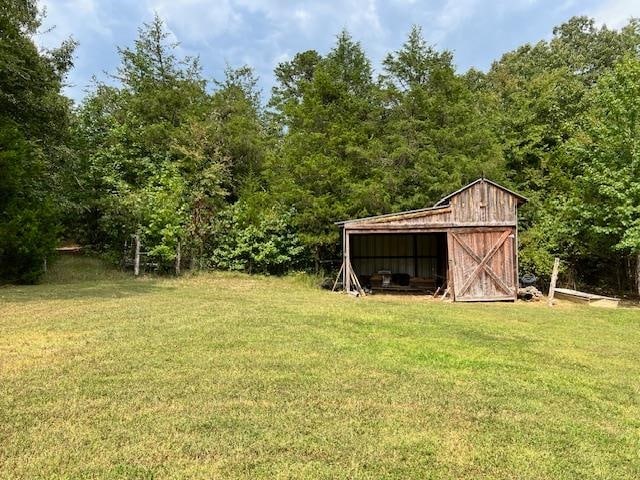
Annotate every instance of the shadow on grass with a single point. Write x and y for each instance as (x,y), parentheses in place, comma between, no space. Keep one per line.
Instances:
(81,278)
(82,290)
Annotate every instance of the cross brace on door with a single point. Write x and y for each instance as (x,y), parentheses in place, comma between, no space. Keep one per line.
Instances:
(483,263)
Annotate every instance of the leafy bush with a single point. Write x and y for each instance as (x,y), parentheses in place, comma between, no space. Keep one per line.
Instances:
(267,244)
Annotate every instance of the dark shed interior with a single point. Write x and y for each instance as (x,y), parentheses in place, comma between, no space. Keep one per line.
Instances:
(415,261)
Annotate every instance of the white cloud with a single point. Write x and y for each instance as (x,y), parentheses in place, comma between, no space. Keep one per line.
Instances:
(197,20)
(455,12)
(363,17)
(302,16)
(616,13)
(65,18)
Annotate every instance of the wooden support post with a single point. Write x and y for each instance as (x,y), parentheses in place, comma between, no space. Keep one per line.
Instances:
(347,262)
(44,265)
(356,283)
(333,289)
(450,269)
(415,255)
(554,279)
(178,258)
(136,259)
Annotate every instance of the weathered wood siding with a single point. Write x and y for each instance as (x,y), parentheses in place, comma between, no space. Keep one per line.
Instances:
(484,204)
(431,218)
(480,223)
(483,264)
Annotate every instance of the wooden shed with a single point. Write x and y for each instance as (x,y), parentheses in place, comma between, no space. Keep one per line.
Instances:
(467,243)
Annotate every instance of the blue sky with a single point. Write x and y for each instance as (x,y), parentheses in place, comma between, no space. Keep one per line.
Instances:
(263,33)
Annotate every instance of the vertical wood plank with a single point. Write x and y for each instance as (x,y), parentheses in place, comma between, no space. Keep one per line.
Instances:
(451,266)
(415,255)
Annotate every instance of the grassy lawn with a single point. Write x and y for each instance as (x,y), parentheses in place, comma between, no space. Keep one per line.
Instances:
(231,376)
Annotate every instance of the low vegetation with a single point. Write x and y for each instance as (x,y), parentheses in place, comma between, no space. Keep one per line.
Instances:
(235,376)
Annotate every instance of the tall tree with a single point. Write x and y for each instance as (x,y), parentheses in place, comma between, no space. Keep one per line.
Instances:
(152,148)
(237,104)
(34,118)
(541,91)
(438,135)
(330,110)
(605,205)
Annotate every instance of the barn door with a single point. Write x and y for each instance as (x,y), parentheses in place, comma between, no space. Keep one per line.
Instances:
(483,265)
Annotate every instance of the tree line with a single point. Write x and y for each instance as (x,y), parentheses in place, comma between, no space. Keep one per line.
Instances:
(246,182)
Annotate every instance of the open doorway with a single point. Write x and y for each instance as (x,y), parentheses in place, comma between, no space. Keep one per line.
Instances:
(400,262)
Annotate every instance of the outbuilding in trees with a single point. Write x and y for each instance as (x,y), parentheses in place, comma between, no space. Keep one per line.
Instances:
(466,244)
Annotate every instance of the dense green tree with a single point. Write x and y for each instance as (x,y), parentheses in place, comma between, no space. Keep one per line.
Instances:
(162,156)
(34,117)
(437,132)
(237,104)
(605,203)
(542,93)
(292,78)
(322,167)
(266,243)
(151,147)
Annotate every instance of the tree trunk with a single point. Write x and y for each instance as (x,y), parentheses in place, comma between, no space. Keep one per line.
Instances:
(316,259)
(178,259)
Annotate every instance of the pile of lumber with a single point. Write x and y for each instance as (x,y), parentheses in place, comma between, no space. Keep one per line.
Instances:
(587,298)
(420,283)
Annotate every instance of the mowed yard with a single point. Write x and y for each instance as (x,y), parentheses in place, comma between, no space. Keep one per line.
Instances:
(231,376)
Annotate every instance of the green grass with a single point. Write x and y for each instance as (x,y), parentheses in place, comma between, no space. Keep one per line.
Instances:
(231,376)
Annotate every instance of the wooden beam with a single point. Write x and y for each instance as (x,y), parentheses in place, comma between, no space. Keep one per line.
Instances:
(515,256)
(425,228)
(450,287)
(356,282)
(347,261)
(415,255)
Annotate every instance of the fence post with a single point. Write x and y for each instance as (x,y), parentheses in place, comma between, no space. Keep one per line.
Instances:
(554,279)
(136,260)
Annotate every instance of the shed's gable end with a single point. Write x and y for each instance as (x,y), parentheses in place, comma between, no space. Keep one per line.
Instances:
(484,202)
